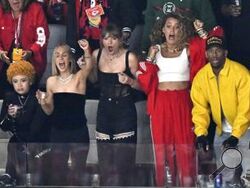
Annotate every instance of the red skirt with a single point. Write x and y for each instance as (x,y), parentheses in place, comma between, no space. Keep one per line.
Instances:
(173,137)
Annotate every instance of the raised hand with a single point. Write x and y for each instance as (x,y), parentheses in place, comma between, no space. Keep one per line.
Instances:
(152,52)
(84,44)
(198,24)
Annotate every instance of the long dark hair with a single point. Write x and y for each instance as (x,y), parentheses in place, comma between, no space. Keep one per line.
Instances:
(7,8)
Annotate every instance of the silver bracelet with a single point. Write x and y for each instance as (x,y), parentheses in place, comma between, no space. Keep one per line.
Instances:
(80,62)
(149,58)
(202,33)
(152,60)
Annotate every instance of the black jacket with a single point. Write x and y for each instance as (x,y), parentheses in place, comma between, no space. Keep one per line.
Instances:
(29,125)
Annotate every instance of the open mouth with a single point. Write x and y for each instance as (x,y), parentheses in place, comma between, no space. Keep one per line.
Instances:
(61,65)
(215,61)
(20,90)
(110,49)
(171,37)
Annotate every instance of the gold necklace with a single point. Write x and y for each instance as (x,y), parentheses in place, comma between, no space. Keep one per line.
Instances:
(174,50)
(65,80)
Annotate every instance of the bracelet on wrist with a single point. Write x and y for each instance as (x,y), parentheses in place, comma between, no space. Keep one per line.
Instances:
(80,63)
(198,29)
(150,59)
(201,32)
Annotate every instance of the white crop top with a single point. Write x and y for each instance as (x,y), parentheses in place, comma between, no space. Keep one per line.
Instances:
(174,68)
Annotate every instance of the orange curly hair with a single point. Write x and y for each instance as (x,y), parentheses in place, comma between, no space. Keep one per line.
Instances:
(21,68)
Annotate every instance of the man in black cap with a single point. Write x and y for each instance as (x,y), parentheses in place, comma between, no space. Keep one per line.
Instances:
(221,90)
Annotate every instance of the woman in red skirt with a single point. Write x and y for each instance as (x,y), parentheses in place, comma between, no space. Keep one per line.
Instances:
(166,77)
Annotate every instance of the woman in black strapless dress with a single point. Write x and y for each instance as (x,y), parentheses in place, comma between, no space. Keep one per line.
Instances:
(64,101)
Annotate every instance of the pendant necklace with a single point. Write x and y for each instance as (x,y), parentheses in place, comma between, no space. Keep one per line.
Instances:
(22,100)
(65,80)
(112,57)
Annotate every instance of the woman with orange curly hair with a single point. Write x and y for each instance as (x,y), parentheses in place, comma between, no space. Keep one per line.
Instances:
(22,116)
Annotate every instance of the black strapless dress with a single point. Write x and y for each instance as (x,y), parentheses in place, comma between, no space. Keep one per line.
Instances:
(68,120)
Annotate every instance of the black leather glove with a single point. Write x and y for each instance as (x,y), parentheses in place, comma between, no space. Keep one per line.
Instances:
(7,124)
(202,143)
(232,141)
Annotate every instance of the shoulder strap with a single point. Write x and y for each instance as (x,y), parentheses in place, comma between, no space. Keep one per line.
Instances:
(98,56)
(126,60)
(127,69)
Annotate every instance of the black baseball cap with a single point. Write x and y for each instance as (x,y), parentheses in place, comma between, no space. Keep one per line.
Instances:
(215,41)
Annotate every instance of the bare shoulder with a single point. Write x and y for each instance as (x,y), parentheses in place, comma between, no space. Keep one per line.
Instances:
(51,81)
(132,58)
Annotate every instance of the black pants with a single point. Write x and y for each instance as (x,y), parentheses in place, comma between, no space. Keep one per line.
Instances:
(21,161)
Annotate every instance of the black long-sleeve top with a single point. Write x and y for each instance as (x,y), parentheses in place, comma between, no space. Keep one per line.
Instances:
(30,124)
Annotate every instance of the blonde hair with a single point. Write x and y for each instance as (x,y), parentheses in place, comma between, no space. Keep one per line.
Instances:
(21,68)
(73,67)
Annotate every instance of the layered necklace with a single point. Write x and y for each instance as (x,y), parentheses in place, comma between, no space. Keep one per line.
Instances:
(174,50)
(65,80)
